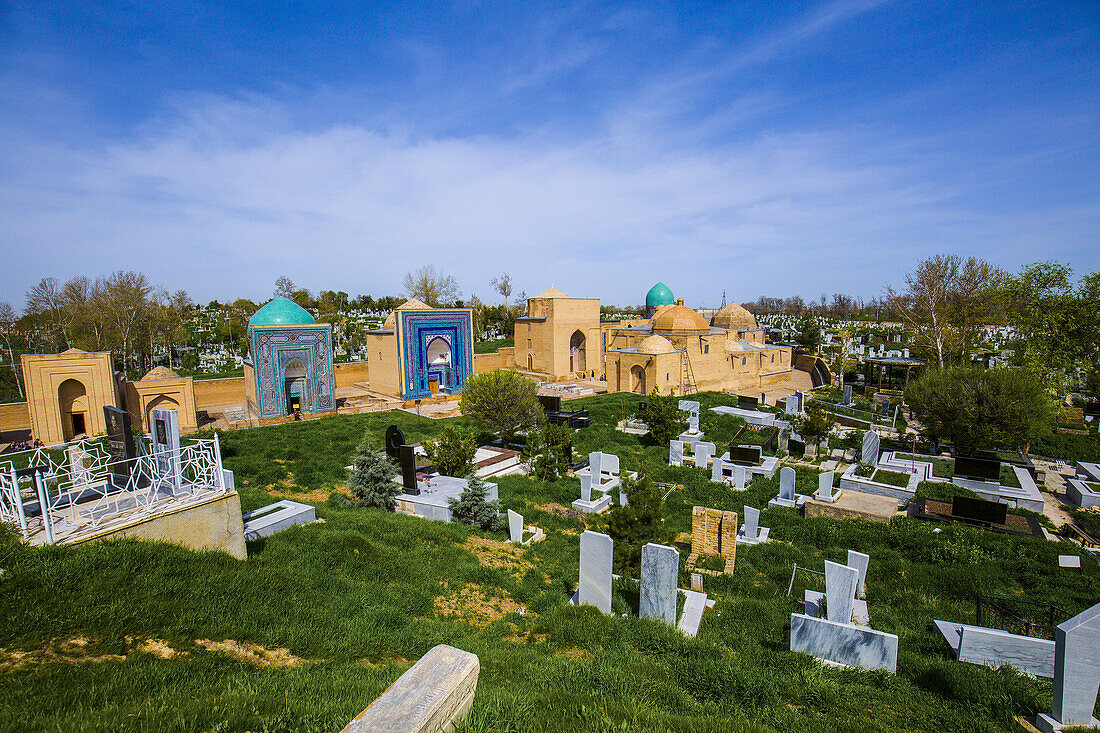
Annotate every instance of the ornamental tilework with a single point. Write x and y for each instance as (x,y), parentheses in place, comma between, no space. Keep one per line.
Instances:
(274,348)
(417,331)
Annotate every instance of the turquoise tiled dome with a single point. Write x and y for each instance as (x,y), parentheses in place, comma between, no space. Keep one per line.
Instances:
(281,312)
(659,295)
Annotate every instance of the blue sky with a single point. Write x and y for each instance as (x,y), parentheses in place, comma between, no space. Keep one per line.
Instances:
(757,148)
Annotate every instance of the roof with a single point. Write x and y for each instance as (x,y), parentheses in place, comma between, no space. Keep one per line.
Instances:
(74,350)
(552,292)
(281,311)
(656,345)
(159,372)
(412,304)
(679,319)
(734,318)
(659,294)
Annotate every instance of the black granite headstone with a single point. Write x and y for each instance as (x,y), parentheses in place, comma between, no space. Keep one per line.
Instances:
(550,403)
(120,439)
(979,510)
(747,403)
(745,455)
(394,440)
(407,458)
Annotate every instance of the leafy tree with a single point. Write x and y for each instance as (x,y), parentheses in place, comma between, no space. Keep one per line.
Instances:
(548,451)
(473,507)
(663,416)
(502,401)
(639,522)
(503,285)
(371,480)
(816,425)
(809,333)
(430,286)
(974,408)
(452,453)
(852,439)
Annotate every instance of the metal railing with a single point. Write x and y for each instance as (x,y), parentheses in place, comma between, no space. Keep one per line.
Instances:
(1015,615)
(54,500)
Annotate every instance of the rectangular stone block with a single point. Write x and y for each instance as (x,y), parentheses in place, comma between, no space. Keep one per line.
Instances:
(855,646)
(840,591)
(432,696)
(871,444)
(515,527)
(660,573)
(860,562)
(595,581)
(1076,668)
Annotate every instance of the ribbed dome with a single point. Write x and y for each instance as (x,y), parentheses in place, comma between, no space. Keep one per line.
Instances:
(659,294)
(656,345)
(679,319)
(281,311)
(412,304)
(159,372)
(734,317)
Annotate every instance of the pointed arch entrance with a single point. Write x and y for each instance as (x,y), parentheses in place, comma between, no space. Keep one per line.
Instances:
(296,387)
(72,398)
(637,379)
(578,361)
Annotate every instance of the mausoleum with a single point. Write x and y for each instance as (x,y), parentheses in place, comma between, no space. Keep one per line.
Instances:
(66,393)
(560,336)
(161,387)
(290,365)
(422,351)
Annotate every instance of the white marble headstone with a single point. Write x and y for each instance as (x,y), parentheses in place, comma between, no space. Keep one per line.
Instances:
(870,448)
(595,585)
(703,452)
(840,592)
(515,527)
(717,467)
(791,404)
(786,483)
(825,485)
(752,522)
(1076,672)
(739,477)
(660,573)
(859,561)
(676,453)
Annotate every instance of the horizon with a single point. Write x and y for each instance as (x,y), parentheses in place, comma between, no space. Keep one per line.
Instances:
(765,151)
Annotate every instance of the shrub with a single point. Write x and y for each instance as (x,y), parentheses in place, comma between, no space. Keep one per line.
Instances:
(452,453)
(639,522)
(371,477)
(473,507)
(503,401)
(662,414)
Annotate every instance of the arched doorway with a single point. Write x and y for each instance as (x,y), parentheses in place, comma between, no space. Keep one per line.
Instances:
(577,360)
(438,356)
(637,379)
(72,398)
(296,387)
(163,402)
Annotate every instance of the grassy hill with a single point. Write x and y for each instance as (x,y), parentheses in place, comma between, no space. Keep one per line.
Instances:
(320,619)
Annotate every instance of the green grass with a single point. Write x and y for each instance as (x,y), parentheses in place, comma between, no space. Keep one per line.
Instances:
(488,347)
(355,597)
(894,478)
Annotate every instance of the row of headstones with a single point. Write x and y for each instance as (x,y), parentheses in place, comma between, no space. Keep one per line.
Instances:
(659,577)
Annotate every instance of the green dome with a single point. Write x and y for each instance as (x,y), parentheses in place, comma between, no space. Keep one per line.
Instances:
(658,295)
(281,312)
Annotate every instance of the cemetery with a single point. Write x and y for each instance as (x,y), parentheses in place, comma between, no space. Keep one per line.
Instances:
(750,612)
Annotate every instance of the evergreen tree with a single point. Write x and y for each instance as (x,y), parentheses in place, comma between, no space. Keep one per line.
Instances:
(663,416)
(639,522)
(371,480)
(473,507)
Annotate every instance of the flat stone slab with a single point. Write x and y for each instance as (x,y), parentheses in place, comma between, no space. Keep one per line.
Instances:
(432,696)
(1069,561)
(854,505)
(433,501)
(994,647)
(854,646)
(695,604)
(273,518)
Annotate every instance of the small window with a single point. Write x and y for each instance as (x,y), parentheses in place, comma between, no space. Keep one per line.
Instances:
(668,378)
(744,361)
(528,343)
(773,358)
(706,348)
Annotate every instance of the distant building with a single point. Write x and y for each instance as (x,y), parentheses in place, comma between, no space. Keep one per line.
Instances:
(560,336)
(421,351)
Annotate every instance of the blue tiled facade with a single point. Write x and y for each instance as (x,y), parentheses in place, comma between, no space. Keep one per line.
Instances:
(417,330)
(274,348)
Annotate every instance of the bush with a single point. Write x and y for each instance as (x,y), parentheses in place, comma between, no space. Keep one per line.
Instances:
(503,401)
(662,414)
(639,522)
(371,480)
(452,453)
(474,508)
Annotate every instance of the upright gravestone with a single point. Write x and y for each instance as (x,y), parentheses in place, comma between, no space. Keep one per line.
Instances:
(847,394)
(406,456)
(791,404)
(870,448)
(840,592)
(752,523)
(763,398)
(676,453)
(515,527)
(80,465)
(859,561)
(738,478)
(1076,673)
(660,572)
(394,440)
(120,440)
(165,434)
(786,483)
(703,452)
(595,581)
(825,486)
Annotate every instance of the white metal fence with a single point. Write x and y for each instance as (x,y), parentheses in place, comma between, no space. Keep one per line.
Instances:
(60,495)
